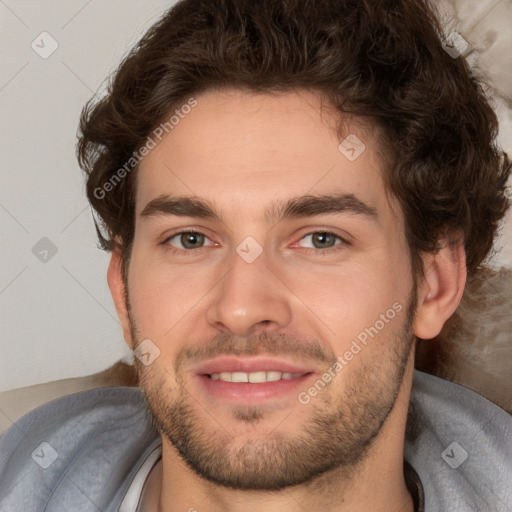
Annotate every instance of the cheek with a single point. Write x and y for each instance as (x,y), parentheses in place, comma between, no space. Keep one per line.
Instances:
(349,301)
(162,297)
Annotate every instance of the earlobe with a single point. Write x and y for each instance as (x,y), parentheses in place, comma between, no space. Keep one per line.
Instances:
(117,289)
(441,290)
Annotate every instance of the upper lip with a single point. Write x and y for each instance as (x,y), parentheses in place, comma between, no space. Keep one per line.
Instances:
(232,364)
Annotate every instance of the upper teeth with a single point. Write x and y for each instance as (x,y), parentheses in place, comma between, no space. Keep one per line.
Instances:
(254,377)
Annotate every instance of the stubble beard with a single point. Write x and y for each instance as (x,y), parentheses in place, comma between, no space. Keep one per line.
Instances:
(336,437)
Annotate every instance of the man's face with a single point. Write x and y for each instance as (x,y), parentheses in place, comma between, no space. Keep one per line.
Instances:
(272,281)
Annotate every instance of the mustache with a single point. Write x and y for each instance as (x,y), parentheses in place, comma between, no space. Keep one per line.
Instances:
(275,344)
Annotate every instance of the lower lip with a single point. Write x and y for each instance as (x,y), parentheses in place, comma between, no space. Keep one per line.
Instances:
(244,392)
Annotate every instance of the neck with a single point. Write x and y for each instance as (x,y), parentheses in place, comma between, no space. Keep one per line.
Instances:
(379,491)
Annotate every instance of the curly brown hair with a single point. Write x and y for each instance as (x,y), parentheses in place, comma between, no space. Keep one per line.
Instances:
(382,60)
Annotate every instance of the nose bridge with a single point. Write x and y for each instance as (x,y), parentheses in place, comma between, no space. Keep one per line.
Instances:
(249,297)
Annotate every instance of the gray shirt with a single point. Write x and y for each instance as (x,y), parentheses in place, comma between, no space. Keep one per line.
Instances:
(91,451)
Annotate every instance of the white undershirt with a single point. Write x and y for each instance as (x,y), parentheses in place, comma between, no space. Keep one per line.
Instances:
(131,500)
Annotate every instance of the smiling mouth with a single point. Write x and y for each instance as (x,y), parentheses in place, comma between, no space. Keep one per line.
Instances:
(253,387)
(254,377)
(251,380)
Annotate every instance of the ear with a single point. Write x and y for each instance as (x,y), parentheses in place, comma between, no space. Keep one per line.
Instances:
(117,289)
(441,290)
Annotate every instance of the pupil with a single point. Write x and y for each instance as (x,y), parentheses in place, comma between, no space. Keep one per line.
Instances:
(323,240)
(191,240)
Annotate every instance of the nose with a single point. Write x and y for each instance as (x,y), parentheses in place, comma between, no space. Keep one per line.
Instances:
(249,299)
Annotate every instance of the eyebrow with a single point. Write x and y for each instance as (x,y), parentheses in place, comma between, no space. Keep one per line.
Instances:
(294,208)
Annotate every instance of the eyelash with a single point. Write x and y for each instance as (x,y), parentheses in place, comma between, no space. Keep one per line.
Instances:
(307,250)
(325,252)
(169,247)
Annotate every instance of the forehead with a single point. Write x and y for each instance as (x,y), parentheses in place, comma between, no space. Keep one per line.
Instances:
(236,148)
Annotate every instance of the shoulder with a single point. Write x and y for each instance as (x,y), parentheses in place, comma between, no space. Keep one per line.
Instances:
(76,452)
(463,452)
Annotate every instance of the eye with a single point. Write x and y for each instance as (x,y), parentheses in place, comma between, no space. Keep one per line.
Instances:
(321,240)
(188,240)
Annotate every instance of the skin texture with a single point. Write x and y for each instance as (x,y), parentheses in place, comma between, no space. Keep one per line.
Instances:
(299,301)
